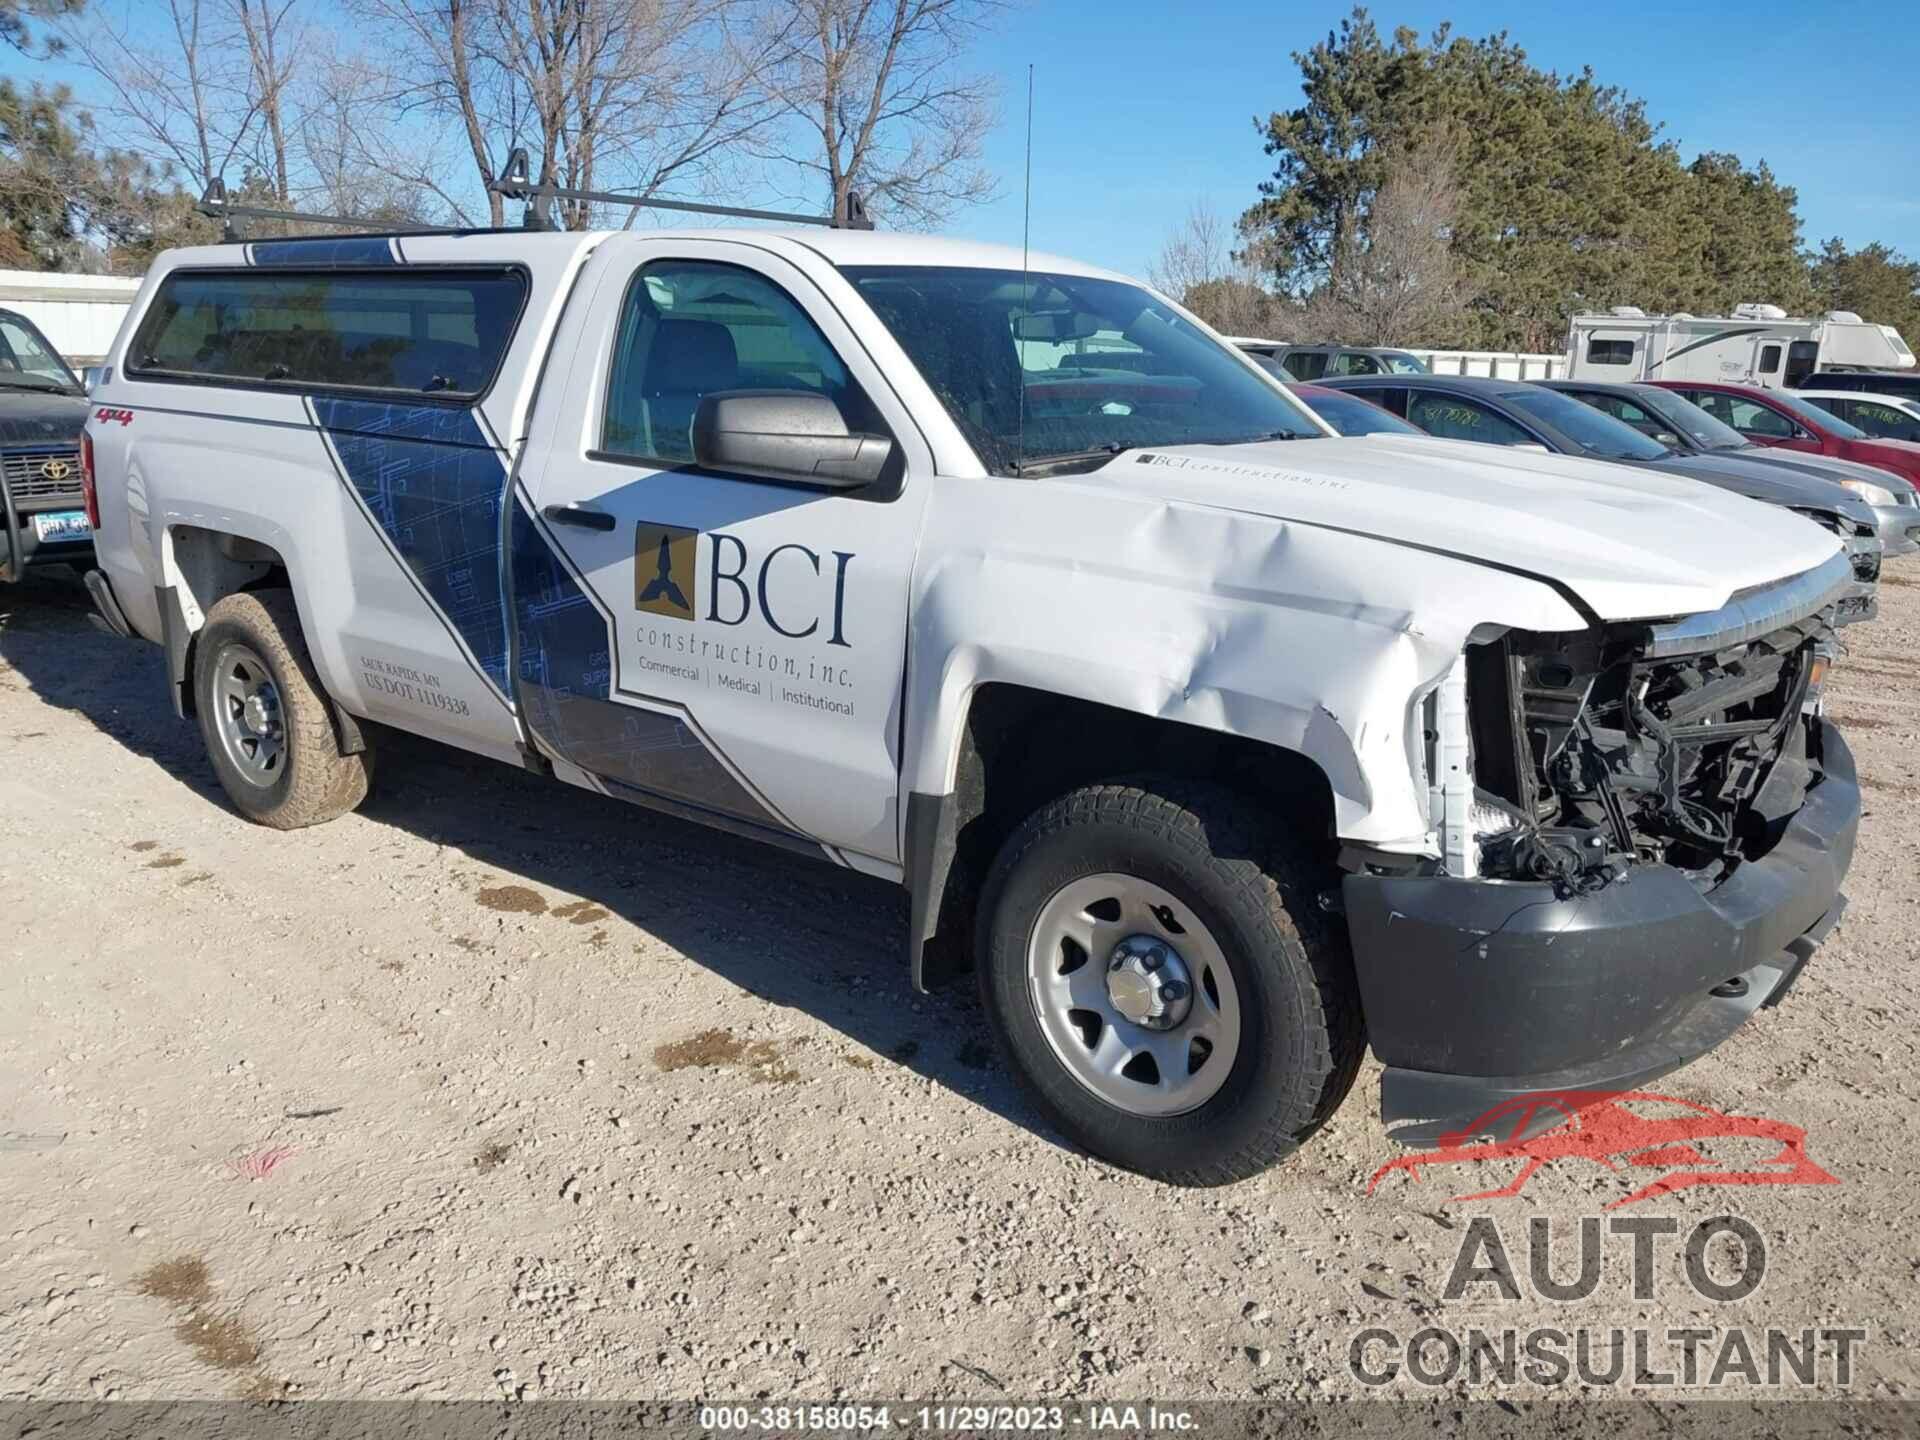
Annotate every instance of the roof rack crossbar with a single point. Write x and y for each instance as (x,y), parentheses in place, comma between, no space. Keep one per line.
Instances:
(515,184)
(215,205)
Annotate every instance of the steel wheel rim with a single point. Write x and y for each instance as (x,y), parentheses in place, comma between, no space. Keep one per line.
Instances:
(1070,950)
(247,715)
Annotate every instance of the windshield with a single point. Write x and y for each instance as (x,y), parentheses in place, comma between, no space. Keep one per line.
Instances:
(1043,368)
(1351,415)
(1596,434)
(1682,414)
(26,359)
(1816,417)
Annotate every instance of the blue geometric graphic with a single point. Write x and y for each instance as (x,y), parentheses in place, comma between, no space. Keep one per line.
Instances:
(566,689)
(325,250)
(433,484)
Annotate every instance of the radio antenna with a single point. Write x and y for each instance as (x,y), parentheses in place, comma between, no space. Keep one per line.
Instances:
(1026,235)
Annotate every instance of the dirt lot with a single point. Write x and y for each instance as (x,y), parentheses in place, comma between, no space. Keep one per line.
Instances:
(497,1088)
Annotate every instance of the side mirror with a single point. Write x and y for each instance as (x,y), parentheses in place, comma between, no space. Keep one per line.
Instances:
(1666,437)
(785,435)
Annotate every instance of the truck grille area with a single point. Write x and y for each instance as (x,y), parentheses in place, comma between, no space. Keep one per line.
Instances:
(42,474)
(1600,757)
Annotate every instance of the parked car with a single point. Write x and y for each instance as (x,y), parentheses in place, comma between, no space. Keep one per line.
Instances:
(1781,418)
(1904,383)
(1676,422)
(1351,414)
(1311,362)
(1129,676)
(1886,417)
(1511,412)
(42,407)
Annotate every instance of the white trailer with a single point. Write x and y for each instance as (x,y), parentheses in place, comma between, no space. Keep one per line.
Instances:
(79,314)
(1756,345)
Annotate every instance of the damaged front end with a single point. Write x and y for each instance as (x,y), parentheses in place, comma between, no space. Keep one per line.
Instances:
(1604,752)
(1643,828)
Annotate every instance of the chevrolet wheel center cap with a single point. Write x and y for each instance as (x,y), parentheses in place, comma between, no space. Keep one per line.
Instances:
(1147,982)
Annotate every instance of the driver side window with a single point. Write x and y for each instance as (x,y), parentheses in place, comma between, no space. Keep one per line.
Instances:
(1625,410)
(1305,364)
(693,328)
(1750,418)
(1449,417)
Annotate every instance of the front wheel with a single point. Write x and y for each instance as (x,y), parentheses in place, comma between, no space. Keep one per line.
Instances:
(267,724)
(1158,970)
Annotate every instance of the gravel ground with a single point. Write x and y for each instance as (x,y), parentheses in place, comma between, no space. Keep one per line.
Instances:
(500,1089)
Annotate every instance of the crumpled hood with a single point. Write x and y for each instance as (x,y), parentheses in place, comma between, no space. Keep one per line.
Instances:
(1632,543)
(30,417)
(1775,484)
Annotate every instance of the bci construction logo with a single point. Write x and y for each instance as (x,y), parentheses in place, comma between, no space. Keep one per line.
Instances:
(664,557)
(797,592)
(1661,1145)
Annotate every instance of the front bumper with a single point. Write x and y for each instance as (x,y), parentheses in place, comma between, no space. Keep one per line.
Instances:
(1899,528)
(1476,991)
(21,546)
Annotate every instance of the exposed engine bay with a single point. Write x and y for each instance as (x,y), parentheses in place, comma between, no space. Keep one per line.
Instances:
(1592,753)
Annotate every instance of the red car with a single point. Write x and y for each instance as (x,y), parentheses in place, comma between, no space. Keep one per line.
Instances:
(1779,417)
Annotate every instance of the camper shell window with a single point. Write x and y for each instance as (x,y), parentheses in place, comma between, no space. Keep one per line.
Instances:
(1769,359)
(417,332)
(1609,352)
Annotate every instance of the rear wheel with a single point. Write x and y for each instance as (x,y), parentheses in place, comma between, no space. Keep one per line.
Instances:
(267,724)
(1161,976)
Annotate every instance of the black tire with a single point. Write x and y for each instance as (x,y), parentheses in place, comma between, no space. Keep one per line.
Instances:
(314,782)
(1301,1034)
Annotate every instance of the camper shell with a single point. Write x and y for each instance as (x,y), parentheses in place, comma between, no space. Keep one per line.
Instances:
(1756,345)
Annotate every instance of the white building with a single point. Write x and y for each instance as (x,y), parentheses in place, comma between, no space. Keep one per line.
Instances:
(79,314)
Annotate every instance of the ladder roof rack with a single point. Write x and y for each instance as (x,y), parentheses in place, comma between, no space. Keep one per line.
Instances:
(215,204)
(516,183)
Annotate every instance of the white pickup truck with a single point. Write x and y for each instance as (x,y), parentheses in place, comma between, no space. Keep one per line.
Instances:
(1218,746)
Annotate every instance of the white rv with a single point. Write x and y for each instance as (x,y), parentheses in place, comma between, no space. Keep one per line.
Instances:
(1756,345)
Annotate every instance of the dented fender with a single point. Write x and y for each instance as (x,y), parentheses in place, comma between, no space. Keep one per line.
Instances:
(1300,636)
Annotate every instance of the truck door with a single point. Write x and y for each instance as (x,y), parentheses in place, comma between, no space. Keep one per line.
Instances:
(724,645)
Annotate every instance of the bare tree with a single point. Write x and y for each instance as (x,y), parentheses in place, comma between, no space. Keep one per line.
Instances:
(1199,266)
(174,92)
(1394,281)
(635,95)
(627,95)
(878,102)
(355,159)
(273,40)
(437,74)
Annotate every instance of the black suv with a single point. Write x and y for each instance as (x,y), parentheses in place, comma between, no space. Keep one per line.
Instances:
(42,407)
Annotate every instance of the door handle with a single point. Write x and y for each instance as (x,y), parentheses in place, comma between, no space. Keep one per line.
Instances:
(585,516)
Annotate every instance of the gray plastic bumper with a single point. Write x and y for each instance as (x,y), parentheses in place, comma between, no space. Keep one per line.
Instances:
(1476,991)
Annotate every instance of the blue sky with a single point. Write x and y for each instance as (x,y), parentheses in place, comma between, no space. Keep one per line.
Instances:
(1144,106)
